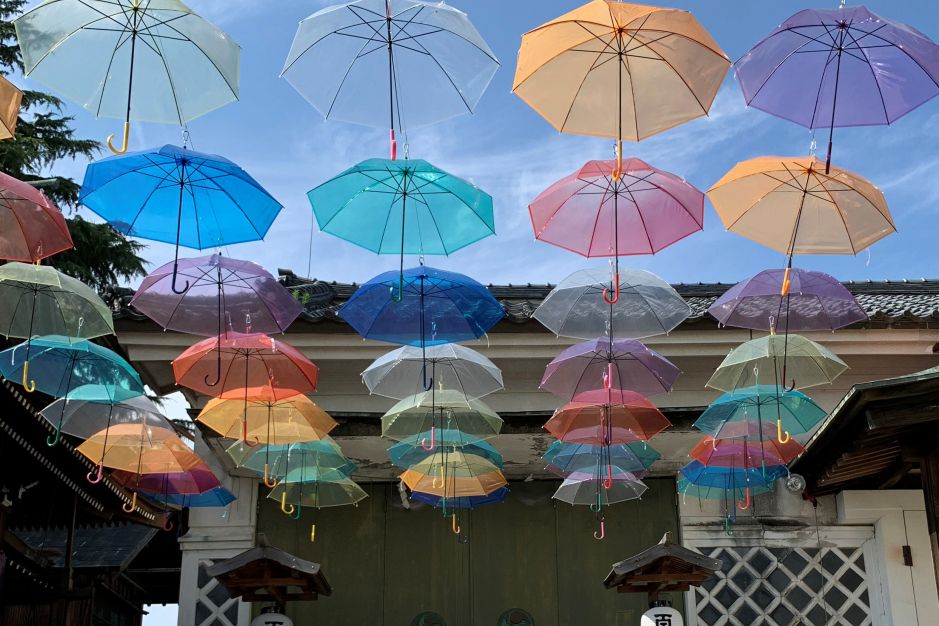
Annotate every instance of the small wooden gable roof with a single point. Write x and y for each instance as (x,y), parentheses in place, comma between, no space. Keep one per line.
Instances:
(267,574)
(662,568)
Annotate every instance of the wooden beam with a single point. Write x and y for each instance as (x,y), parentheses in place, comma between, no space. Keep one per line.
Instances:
(666,578)
(901,469)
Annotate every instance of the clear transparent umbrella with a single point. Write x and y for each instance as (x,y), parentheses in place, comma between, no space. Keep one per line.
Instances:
(400,373)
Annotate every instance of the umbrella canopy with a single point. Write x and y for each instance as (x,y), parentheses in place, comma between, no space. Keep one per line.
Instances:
(38,300)
(828,68)
(623,363)
(594,213)
(729,492)
(91,51)
(410,451)
(217,497)
(10,99)
(195,480)
(625,71)
(564,458)
(646,306)
(791,205)
(403,62)
(31,226)
(441,410)
(246,366)
(177,195)
(607,416)
(302,461)
(466,502)
(83,418)
(399,373)
(292,419)
(224,295)
(139,449)
(746,411)
(702,475)
(777,359)
(584,491)
(318,494)
(435,307)
(403,207)
(745,453)
(452,485)
(64,367)
(794,300)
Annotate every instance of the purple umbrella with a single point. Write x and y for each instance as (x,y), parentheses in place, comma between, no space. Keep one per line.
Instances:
(618,364)
(815,301)
(881,69)
(224,295)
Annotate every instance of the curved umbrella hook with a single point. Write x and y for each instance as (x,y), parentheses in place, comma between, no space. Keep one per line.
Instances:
(727,529)
(442,481)
(428,384)
(433,440)
(130,507)
(218,367)
(296,514)
(123,148)
(95,477)
(792,387)
(397,297)
(602,534)
(608,481)
(185,288)
(744,504)
(312,533)
(284,505)
(269,481)
(167,524)
(454,524)
(606,291)
(28,385)
(52,441)
(779,433)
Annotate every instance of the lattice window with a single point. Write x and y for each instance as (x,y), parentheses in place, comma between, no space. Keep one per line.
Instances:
(763,586)
(214,606)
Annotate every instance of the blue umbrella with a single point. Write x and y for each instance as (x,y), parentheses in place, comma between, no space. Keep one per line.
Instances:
(465,502)
(635,458)
(410,451)
(702,475)
(174,194)
(219,496)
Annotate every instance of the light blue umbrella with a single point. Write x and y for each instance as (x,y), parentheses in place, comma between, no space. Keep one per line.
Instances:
(410,451)
(177,195)
(148,60)
(216,497)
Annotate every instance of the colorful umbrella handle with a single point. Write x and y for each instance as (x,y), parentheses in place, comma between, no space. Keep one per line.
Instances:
(454,525)
(284,505)
(269,482)
(312,533)
(130,507)
(95,477)
(433,442)
(442,481)
(167,524)
(606,291)
(779,433)
(602,533)
(123,148)
(608,481)
(52,441)
(745,504)
(28,385)
(727,529)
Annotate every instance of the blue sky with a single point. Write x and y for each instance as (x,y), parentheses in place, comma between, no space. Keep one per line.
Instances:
(509,151)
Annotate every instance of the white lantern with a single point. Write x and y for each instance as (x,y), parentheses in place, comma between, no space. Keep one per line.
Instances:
(662,616)
(273,619)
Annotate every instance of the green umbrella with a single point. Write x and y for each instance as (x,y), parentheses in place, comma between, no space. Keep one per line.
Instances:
(319,494)
(767,359)
(440,409)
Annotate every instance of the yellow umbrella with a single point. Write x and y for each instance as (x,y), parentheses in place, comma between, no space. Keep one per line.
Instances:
(10,98)
(789,204)
(625,71)
(285,421)
(454,474)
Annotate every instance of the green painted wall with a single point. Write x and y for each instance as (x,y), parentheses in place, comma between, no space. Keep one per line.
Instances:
(388,564)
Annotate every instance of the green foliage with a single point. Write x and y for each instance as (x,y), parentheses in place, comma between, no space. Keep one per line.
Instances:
(102,257)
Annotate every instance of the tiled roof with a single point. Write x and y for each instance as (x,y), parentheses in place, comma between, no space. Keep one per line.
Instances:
(888,302)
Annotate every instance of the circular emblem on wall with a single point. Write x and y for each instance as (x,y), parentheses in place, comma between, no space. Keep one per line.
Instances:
(428,618)
(516,617)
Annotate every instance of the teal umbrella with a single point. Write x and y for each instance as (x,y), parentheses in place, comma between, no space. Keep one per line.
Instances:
(411,450)
(403,207)
(320,460)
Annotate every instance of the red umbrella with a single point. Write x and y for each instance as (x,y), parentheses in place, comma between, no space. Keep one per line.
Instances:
(745,453)
(606,417)
(195,480)
(31,227)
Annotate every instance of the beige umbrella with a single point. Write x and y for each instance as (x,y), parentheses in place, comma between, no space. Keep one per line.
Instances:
(10,98)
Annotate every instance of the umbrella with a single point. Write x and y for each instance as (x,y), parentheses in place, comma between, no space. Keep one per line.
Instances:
(246,366)
(195,480)
(316,494)
(800,301)
(730,491)
(292,419)
(622,363)
(410,451)
(90,50)
(587,491)
(745,453)
(214,201)
(440,410)
(223,295)
(881,69)
(398,374)
(84,418)
(217,497)
(794,357)
(645,305)
(65,367)
(607,416)
(594,212)
(10,99)
(38,300)
(791,205)
(403,207)
(702,475)
(618,70)
(31,227)
(564,458)
(465,502)
(416,62)
(453,484)
(742,412)
(319,460)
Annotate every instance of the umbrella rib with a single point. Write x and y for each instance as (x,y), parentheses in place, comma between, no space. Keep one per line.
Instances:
(870,66)
(208,58)
(607,44)
(345,76)
(785,58)
(840,214)
(66,36)
(447,74)
(104,83)
(901,49)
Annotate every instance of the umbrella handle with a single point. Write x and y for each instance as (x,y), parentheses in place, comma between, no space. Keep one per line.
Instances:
(296,514)
(284,505)
(791,387)
(608,379)
(606,291)
(394,145)
(52,441)
(397,297)
(608,481)
(95,477)
(602,534)
(123,148)
(745,504)
(312,533)
(779,433)
(442,481)
(130,507)
(268,482)
(428,384)
(185,288)
(454,525)
(28,385)
(433,441)
(167,524)
(218,372)
(785,283)
(727,529)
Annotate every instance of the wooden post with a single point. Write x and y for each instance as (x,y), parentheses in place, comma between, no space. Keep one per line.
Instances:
(930,469)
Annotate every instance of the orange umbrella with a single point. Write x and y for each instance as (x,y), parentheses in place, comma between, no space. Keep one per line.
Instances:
(286,421)
(454,486)
(625,71)
(607,416)
(10,98)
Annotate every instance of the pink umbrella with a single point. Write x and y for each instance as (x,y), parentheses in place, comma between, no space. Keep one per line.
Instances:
(196,480)
(597,211)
